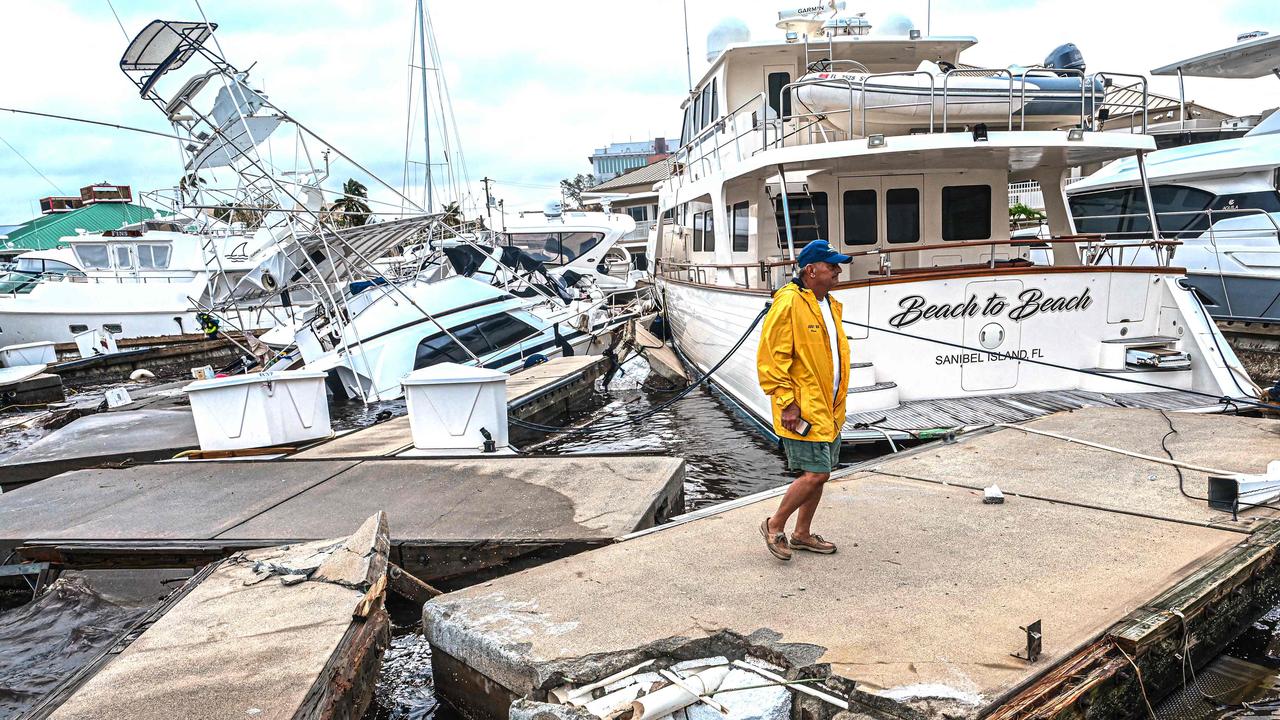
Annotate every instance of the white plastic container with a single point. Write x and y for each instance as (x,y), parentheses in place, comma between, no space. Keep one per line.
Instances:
(260,409)
(92,343)
(33,353)
(449,404)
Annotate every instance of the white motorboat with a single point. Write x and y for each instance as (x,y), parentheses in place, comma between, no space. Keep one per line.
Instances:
(1220,199)
(581,242)
(952,322)
(144,280)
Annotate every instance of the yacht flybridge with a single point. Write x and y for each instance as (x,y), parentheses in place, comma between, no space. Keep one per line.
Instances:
(951,322)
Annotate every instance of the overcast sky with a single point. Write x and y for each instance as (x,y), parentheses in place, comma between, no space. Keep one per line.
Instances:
(536,85)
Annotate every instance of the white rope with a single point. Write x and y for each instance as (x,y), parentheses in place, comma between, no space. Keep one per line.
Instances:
(1119,451)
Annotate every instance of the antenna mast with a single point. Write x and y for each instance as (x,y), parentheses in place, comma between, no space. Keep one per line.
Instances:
(426,100)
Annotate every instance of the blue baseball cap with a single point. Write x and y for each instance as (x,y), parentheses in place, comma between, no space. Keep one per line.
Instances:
(820,251)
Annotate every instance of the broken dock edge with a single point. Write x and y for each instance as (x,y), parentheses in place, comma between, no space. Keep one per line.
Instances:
(1118,674)
(1142,658)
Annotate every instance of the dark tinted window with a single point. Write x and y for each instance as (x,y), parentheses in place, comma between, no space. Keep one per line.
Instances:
(741,227)
(808,218)
(714,104)
(709,224)
(503,330)
(966,212)
(780,104)
(1178,208)
(698,232)
(902,215)
(1100,212)
(1268,201)
(438,349)
(706,106)
(859,217)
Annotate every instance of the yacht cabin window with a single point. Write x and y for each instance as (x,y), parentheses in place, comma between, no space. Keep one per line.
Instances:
(699,234)
(482,337)
(860,217)
(966,212)
(808,218)
(124,259)
(92,256)
(153,257)
(741,227)
(902,215)
(1179,209)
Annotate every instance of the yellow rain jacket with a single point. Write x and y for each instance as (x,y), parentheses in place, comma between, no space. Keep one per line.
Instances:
(794,362)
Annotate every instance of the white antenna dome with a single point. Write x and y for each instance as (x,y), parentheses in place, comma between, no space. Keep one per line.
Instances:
(726,32)
(895,25)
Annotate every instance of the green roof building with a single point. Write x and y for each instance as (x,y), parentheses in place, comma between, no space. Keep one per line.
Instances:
(44,232)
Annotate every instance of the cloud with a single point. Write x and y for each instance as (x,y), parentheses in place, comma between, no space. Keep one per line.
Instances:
(536,86)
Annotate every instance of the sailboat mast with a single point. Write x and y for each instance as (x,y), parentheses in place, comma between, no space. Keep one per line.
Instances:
(426,115)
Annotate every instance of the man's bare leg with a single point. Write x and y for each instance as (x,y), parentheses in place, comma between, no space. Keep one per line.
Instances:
(805,514)
(806,490)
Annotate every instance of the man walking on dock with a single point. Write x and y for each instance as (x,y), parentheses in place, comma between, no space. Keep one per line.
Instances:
(803,353)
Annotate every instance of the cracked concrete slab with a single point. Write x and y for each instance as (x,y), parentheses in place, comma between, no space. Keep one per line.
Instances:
(921,605)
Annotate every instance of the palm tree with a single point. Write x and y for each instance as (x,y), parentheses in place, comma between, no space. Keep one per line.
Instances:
(351,209)
(452,215)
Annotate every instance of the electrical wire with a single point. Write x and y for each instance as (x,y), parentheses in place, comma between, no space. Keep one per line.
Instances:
(1222,399)
(593,427)
(33,167)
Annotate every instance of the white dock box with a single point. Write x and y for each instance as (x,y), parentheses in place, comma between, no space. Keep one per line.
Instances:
(92,343)
(450,403)
(33,353)
(262,409)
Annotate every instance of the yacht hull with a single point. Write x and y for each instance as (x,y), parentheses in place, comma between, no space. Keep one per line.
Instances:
(965,336)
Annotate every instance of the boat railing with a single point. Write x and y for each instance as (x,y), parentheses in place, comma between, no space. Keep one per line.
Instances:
(763,274)
(754,126)
(1108,83)
(862,91)
(643,227)
(1206,230)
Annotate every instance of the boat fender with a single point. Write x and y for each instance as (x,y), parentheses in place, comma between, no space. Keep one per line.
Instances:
(141,374)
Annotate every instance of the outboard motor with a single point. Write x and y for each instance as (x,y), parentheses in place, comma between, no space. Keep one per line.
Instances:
(1065,57)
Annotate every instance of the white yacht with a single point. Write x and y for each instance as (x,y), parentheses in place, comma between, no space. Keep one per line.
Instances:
(951,322)
(585,243)
(1221,199)
(144,280)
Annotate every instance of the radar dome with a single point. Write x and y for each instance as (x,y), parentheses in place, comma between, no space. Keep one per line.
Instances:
(894,25)
(724,34)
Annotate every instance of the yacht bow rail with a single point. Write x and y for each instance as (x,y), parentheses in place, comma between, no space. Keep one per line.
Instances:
(754,127)
(1094,247)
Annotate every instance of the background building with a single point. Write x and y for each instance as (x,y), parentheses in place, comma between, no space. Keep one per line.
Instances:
(616,159)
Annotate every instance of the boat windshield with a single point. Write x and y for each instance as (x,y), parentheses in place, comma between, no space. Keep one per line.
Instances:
(554,248)
(16,282)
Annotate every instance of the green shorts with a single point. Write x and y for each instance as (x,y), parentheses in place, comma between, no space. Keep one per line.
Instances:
(818,457)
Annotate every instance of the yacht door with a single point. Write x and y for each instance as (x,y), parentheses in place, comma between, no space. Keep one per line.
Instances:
(998,337)
(900,213)
(125,259)
(861,224)
(778,105)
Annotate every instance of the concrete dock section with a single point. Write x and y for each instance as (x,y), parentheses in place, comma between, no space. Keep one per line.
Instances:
(450,517)
(922,610)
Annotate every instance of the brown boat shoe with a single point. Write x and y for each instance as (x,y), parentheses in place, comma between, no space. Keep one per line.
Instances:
(814,543)
(775,542)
